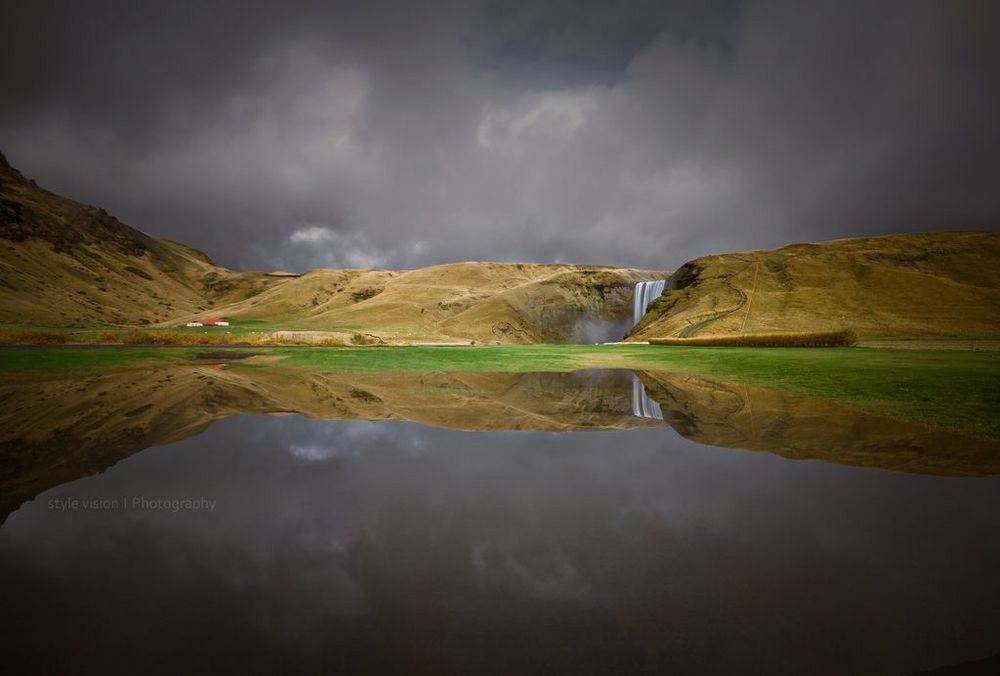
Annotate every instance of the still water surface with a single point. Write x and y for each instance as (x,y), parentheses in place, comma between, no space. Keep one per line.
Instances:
(395,547)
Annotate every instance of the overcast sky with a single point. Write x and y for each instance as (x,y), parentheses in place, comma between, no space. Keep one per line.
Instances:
(294,135)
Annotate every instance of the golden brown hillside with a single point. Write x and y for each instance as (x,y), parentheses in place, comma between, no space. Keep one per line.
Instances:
(67,264)
(925,284)
(484,302)
(63,263)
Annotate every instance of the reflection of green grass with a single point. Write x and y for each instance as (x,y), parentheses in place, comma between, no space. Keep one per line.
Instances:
(952,389)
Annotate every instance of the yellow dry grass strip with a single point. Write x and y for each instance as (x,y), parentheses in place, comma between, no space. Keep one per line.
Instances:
(30,337)
(176,338)
(183,338)
(842,338)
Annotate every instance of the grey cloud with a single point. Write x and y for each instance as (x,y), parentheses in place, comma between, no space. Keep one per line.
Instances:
(640,134)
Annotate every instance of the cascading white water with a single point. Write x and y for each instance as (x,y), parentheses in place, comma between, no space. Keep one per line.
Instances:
(645,293)
(642,405)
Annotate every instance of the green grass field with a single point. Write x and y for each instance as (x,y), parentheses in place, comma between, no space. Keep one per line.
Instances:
(949,389)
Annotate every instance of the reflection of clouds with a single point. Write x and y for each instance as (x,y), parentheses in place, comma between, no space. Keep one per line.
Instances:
(350,439)
(623,541)
(550,577)
(362,430)
(315,453)
(343,440)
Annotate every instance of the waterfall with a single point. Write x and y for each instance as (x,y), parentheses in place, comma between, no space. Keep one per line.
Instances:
(642,405)
(645,293)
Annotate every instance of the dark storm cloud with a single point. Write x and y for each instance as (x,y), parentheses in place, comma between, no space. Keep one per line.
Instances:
(299,134)
(585,42)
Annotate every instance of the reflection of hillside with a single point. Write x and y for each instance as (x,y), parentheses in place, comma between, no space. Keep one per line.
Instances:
(754,418)
(52,432)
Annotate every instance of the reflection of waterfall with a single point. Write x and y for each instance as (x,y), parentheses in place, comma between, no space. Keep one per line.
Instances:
(645,293)
(642,405)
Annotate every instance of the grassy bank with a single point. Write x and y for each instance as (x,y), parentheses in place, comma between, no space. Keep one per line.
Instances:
(73,361)
(34,337)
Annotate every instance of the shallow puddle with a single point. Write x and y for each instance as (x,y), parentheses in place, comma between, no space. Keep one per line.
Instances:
(260,520)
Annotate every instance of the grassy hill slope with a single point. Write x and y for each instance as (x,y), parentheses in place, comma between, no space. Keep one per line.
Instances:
(63,263)
(925,284)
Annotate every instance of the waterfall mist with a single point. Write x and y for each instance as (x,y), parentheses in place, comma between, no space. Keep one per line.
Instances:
(596,329)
